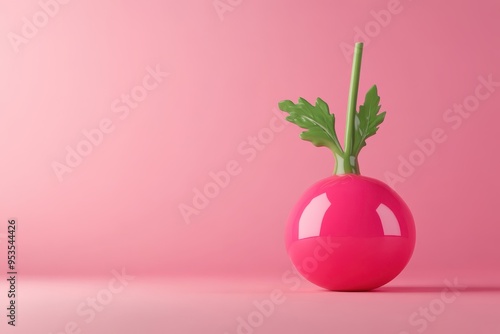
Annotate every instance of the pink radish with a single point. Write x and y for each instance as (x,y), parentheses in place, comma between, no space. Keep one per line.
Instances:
(347,232)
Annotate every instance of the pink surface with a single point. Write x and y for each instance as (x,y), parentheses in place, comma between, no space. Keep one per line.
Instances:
(171,105)
(200,305)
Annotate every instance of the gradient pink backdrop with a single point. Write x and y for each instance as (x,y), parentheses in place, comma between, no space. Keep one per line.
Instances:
(119,208)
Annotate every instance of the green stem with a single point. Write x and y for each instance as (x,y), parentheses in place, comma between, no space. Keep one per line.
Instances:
(344,165)
(349,160)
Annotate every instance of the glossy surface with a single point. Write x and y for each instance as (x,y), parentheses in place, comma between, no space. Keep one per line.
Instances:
(350,233)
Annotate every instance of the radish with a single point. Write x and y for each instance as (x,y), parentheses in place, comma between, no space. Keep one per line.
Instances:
(347,232)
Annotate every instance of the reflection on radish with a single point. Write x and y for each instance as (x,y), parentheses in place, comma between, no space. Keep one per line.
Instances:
(347,232)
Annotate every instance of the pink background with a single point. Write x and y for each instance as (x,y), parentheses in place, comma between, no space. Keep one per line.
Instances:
(120,207)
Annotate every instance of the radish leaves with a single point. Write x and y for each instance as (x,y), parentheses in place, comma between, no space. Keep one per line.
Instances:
(318,121)
(367,120)
(320,124)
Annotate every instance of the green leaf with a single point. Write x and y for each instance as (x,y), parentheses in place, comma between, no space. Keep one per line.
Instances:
(317,120)
(367,120)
